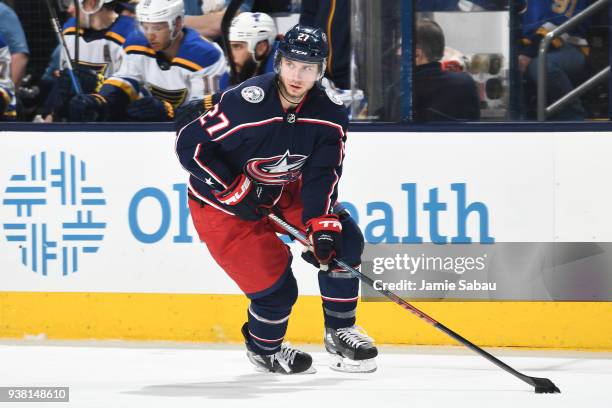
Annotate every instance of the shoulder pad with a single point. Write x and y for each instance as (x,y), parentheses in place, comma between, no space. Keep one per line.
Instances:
(255,89)
(252,93)
(330,107)
(123,27)
(69,24)
(136,43)
(196,53)
(333,97)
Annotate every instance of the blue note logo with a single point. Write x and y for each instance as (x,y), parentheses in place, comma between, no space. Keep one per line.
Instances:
(55,213)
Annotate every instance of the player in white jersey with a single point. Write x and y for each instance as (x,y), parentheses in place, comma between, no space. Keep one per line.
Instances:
(166,66)
(101,37)
(7,89)
(253,42)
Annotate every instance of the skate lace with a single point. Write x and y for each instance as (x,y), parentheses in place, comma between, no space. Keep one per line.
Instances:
(287,353)
(354,336)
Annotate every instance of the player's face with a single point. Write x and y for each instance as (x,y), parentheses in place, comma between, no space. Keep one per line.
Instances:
(298,77)
(158,35)
(240,53)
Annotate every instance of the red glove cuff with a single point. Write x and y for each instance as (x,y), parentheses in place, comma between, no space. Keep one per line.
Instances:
(236,192)
(328,222)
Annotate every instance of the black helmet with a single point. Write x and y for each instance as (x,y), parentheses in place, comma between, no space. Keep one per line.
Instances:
(304,44)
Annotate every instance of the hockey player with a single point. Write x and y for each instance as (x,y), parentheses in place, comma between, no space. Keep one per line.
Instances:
(103,33)
(166,65)
(276,142)
(7,90)
(253,44)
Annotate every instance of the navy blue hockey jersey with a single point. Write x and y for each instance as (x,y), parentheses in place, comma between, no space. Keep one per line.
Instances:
(249,132)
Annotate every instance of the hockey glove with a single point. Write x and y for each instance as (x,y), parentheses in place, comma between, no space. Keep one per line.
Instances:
(187,113)
(325,235)
(5,100)
(87,108)
(89,80)
(150,109)
(247,199)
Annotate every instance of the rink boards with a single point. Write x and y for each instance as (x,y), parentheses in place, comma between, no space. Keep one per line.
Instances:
(97,241)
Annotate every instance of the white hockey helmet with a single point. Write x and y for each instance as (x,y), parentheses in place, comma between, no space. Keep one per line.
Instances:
(88,8)
(160,11)
(253,28)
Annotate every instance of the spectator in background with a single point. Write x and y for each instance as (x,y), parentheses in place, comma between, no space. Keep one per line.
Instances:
(566,60)
(253,43)
(7,89)
(205,15)
(440,95)
(15,38)
(165,67)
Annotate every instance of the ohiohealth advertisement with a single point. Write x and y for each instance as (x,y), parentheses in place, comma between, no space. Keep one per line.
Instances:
(445,216)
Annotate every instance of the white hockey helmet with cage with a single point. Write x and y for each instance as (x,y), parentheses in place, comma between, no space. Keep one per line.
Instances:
(161,11)
(87,7)
(253,28)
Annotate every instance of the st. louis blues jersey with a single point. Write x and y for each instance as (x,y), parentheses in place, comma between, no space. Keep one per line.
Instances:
(248,131)
(100,50)
(7,89)
(542,16)
(194,71)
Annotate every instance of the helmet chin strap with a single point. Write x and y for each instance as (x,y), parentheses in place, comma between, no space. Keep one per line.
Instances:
(86,22)
(173,36)
(282,90)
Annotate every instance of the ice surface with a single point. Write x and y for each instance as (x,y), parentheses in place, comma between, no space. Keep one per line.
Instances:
(123,374)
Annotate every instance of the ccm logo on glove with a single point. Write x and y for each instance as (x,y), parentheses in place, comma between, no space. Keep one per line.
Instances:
(236,192)
(247,199)
(325,235)
(335,225)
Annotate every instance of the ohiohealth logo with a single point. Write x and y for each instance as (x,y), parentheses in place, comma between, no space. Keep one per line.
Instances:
(54,219)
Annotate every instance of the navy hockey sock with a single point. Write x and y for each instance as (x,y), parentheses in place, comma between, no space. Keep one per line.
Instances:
(268,317)
(339,292)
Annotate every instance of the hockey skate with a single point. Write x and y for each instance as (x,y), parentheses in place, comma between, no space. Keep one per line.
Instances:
(351,350)
(287,360)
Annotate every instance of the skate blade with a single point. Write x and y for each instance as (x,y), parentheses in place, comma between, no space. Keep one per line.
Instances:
(311,370)
(346,365)
(260,369)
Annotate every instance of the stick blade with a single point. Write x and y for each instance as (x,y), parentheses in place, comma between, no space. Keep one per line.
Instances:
(544,386)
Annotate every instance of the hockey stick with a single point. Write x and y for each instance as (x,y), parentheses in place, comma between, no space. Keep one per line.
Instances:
(77,34)
(542,385)
(60,38)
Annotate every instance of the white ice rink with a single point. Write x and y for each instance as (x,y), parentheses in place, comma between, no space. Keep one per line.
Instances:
(118,374)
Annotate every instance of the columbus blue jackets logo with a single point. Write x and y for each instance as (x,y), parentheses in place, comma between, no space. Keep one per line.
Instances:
(253,94)
(281,169)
